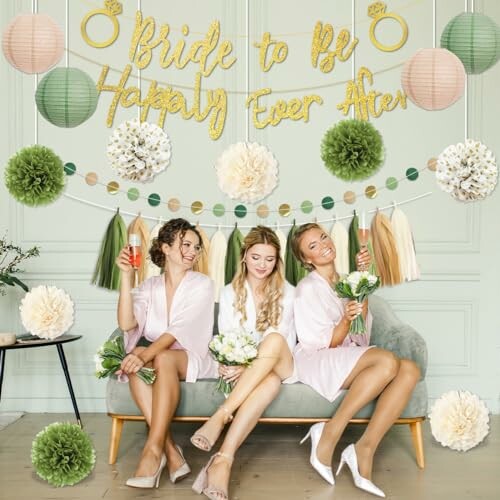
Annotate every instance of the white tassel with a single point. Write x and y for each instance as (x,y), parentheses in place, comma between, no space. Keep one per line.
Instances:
(202,263)
(340,239)
(281,236)
(405,246)
(216,261)
(153,269)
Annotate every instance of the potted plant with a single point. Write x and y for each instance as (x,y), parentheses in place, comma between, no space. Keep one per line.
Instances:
(10,258)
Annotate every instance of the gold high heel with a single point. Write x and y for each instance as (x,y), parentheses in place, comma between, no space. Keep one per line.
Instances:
(182,471)
(201,485)
(203,443)
(148,481)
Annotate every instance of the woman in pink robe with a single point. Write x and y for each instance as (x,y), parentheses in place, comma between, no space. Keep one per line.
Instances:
(330,360)
(172,312)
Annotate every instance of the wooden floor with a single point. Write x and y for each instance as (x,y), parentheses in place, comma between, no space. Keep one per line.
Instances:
(270,465)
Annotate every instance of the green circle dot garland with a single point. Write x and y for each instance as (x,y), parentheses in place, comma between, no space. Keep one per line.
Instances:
(327,203)
(154,199)
(218,210)
(35,175)
(69,168)
(133,194)
(352,150)
(306,206)
(391,183)
(240,211)
(62,454)
(412,174)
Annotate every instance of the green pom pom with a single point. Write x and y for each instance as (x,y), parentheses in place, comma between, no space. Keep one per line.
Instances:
(62,454)
(352,150)
(35,175)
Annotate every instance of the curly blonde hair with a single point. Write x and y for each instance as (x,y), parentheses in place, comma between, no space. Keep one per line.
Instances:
(269,313)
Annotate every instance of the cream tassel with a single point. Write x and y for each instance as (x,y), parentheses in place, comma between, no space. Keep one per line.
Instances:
(405,245)
(282,238)
(153,269)
(216,261)
(340,239)
(202,262)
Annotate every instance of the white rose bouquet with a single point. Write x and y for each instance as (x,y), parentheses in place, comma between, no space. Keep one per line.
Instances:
(357,286)
(109,357)
(233,348)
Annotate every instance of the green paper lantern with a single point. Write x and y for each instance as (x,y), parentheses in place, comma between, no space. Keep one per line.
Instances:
(475,39)
(35,176)
(62,454)
(66,97)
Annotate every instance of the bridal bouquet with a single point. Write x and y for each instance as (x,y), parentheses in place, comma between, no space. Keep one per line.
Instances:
(232,348)
(357,286)
(109,358)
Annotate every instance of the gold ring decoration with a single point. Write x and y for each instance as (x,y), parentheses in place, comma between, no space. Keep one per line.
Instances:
(112,8)
(377,11)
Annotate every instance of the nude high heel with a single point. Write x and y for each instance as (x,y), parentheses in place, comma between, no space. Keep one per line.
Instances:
(182,471)
(148,481)
(323,470)
(349,457)
(201,485)
(201,442)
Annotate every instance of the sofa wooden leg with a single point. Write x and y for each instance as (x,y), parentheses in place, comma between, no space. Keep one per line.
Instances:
(114,442)
(418,443)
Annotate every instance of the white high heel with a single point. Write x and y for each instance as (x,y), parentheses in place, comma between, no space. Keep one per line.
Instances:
(349,457)
(323,470)
(182,471)
(148,481)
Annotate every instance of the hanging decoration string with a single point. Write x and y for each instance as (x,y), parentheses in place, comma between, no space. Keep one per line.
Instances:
(466,87)
(34,10)
(66,35)
(247,69)
(139,71)
(353,55)
(394,204)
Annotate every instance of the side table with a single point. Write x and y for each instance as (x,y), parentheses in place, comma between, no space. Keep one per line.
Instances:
(58,342)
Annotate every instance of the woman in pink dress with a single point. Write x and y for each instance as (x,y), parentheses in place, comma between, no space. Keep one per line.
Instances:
(173,313)
(329,359)
(260,301)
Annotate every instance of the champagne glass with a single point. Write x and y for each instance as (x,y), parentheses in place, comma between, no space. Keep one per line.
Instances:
(134,248)
(363,236)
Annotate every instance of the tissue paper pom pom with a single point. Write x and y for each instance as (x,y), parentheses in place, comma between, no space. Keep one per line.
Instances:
(35,175)
(47,311)
(467,171)
(459,420)
(247,171)
(352,150)
(139,151)
(62,454)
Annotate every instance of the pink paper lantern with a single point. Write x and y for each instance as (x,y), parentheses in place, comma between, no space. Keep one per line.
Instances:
(33,43)
(433,78)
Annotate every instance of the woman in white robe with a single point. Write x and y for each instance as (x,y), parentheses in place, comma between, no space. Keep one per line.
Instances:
(260,301)
(173,313)
(329,359)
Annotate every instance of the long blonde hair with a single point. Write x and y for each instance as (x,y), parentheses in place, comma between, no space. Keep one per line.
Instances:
(270,310)
(384,250)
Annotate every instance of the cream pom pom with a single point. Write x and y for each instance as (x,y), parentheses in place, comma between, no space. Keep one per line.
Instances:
(139,151)
(459,420)
(247,171)
(47,311)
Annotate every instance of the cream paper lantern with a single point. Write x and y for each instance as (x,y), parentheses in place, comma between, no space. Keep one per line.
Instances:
(433,79)
(33,43)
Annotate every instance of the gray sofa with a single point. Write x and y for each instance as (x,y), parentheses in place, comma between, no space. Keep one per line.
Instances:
(296,403)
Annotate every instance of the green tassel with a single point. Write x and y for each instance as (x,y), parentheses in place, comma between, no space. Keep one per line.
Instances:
(107,273)
(234,245)
(294,270)
(353,243)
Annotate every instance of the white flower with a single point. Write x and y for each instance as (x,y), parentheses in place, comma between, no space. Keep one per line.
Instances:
(467,171)
(98,362)
(47,311)
(459,420)
(247,171)
(139,151)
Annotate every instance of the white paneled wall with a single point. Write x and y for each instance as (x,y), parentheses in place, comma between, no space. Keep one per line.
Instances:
(455,304)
